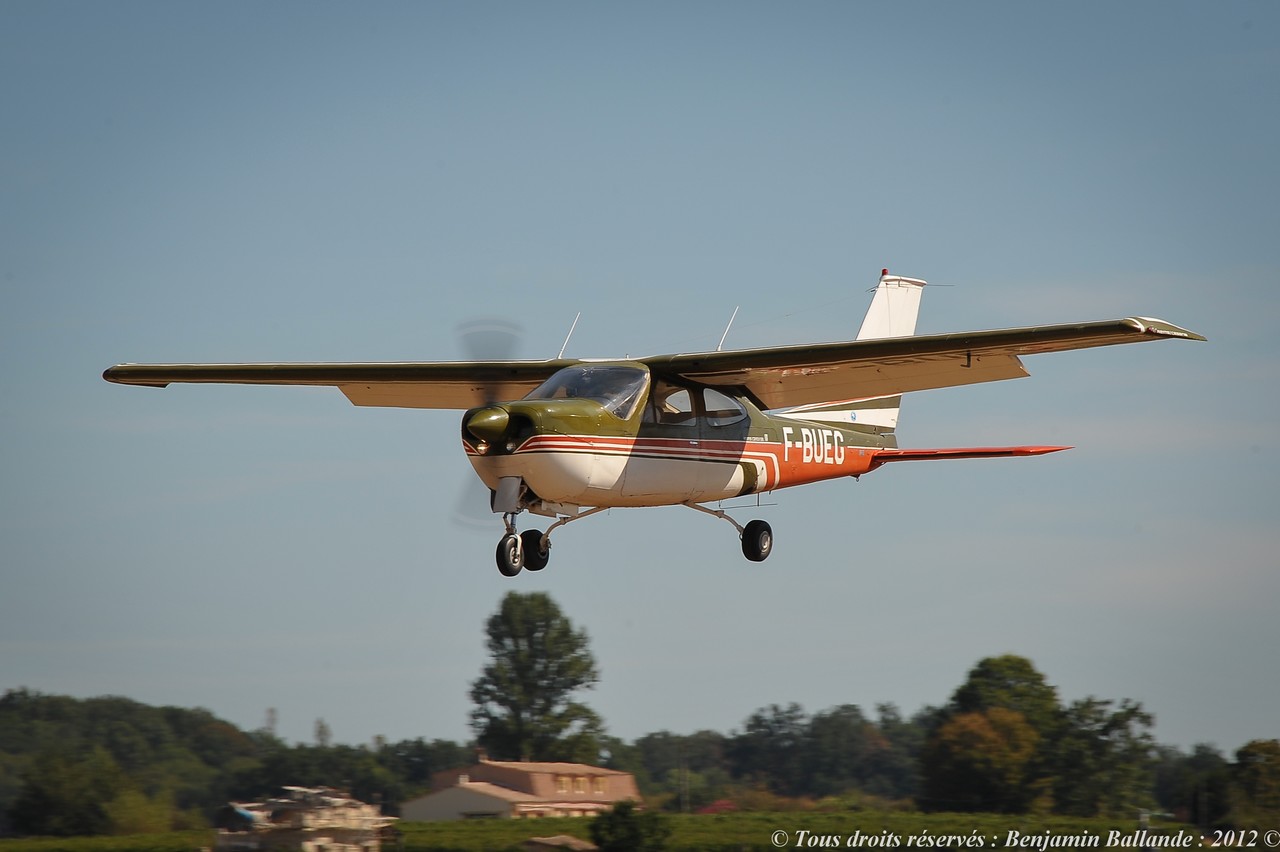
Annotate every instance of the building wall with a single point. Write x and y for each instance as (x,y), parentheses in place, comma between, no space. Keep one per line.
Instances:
(564,782)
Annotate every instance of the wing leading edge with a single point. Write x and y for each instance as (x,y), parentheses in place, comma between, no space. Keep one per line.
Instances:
(441,384)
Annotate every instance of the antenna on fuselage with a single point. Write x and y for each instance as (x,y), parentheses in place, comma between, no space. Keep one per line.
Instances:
(570,334)
(720,345)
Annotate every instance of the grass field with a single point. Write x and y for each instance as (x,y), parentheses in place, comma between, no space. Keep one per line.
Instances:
(737,832)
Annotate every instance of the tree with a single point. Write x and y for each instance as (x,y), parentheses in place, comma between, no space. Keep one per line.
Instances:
(66,794)
(1193,787)
(1011,682)
(624,829)
(897,769)
(771,749)
(524,696)
(1103,760)
(841,750)
(980,761)
(1256,782)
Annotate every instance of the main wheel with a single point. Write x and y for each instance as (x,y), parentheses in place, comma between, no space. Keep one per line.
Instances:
(535,556)
(757,541)
(510,555)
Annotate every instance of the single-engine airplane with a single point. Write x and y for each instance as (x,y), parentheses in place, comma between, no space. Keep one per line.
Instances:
(567,438)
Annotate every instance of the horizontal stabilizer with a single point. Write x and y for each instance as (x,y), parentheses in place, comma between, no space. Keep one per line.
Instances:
(886,456)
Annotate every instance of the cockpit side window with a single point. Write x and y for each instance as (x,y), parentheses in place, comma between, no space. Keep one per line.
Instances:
(670,405)
(721,409)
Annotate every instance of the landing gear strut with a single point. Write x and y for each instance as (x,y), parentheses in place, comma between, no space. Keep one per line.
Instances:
(531,549)
(757,536)
(511,555)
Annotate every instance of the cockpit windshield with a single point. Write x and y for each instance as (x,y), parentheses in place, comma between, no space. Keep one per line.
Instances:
(617,388)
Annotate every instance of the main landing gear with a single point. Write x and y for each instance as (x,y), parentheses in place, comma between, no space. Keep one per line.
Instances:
(531,549)
(757,536)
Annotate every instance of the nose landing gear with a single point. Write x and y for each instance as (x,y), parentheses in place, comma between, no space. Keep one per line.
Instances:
(510,555)
(517,551)
(530,549)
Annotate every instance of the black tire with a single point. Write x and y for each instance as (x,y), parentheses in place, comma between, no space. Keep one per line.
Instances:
(757,541)
(535,558)
(510,555)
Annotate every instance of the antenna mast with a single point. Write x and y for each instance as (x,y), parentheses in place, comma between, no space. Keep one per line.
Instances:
(570,334)
(727,327)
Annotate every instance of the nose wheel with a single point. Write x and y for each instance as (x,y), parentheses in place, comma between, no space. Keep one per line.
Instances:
(537,549)
(516,551)
(510,555)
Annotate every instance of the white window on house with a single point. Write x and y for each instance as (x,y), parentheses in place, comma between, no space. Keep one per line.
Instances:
(597,785)
(562,783)
(580,784)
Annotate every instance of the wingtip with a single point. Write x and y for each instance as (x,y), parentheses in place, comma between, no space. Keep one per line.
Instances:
(1163,328)
(119,375)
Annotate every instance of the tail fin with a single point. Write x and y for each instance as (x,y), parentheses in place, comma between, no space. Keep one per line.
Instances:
(893,312)
(894,308)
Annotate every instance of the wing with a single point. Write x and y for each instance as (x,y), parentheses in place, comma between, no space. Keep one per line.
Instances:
(785,376)
(441,384)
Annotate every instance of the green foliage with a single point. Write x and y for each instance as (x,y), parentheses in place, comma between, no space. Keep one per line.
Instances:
(1003,743)
(524,705)
(66,794)
(1087,760)
(1256,785)
(133,812)
(1011,682)
(178,841)
(740,832)
(1193,787)
(627,829)
(110,765)
(752,832)
(80,767)
(980,761)
(1103,759)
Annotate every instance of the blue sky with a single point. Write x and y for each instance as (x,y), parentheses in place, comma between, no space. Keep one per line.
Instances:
(329,181)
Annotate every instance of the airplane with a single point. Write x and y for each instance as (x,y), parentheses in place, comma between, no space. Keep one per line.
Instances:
(569,438)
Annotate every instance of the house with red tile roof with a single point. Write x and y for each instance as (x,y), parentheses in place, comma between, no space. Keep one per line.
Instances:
(519,789)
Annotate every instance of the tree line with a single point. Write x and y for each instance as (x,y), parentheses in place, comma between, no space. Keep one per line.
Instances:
(1004,742)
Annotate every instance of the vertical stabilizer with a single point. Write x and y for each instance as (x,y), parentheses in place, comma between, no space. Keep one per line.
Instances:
(893,312)
(894,308)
